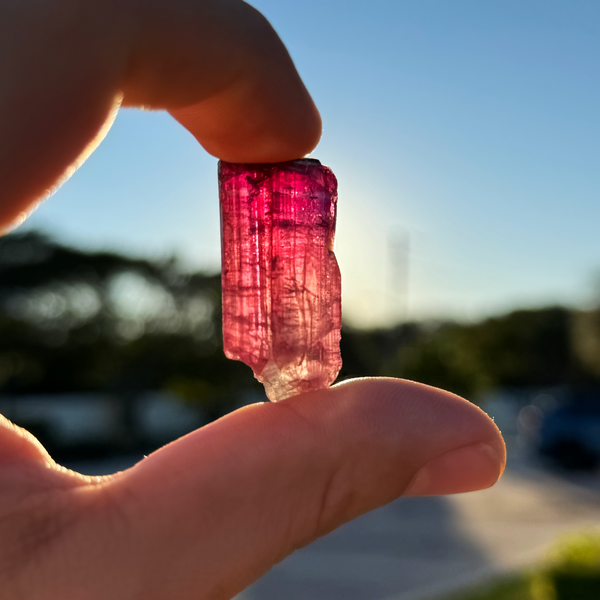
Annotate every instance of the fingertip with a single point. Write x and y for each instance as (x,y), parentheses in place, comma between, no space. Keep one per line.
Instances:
(244,126)
(475,467)
(446,444)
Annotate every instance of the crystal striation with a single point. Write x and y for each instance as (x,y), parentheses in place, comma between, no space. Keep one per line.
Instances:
(280,279)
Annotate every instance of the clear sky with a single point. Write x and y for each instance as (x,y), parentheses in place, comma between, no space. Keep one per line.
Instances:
(465,136)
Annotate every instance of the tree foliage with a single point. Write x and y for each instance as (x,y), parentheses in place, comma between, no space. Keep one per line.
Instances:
(74,320)
(524,348)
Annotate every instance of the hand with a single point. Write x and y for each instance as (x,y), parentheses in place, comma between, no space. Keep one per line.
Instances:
(216,65)
(208,514)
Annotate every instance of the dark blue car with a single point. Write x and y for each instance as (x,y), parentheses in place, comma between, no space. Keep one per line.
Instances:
(570,434)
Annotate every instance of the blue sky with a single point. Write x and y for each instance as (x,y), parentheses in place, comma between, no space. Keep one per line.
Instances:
(470,129)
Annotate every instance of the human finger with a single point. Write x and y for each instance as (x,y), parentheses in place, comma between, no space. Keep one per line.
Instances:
(270,478)
(216,65)
(211,512)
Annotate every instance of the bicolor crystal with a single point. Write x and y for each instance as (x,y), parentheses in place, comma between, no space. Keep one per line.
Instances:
(280,279)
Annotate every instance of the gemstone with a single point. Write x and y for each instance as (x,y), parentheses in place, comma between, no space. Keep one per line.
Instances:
(280,279)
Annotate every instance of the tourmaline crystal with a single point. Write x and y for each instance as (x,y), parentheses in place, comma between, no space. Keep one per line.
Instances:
(280,279)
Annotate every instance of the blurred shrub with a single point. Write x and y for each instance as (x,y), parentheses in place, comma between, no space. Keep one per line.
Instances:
(571,572)
(520,349)
(586,339)
(517,587)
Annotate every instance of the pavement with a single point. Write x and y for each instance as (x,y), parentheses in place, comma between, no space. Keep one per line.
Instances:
(417,548)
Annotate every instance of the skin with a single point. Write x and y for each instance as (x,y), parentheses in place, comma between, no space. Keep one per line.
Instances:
(208,514)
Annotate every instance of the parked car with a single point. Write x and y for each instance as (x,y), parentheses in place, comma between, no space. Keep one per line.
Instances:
(569,435)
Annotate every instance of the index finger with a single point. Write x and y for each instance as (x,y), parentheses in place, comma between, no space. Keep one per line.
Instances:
(216,65)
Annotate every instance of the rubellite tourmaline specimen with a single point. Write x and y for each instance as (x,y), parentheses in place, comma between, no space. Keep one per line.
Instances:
(280,279)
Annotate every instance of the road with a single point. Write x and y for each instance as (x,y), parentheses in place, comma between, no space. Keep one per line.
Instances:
(415,548)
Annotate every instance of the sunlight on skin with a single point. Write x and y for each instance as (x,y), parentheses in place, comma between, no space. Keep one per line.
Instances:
(70,170)
(208,514)
(89,149)
(218,67)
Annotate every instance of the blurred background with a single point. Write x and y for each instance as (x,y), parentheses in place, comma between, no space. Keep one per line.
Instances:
(465,138)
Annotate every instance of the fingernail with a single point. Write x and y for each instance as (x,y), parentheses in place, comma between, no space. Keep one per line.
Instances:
(467,469)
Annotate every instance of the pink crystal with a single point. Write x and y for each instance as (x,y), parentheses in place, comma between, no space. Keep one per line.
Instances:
(280,279)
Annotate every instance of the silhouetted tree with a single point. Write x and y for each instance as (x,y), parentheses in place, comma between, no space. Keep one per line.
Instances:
(74,320)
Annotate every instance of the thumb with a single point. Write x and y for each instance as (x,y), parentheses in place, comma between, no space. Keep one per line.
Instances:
(210,513)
